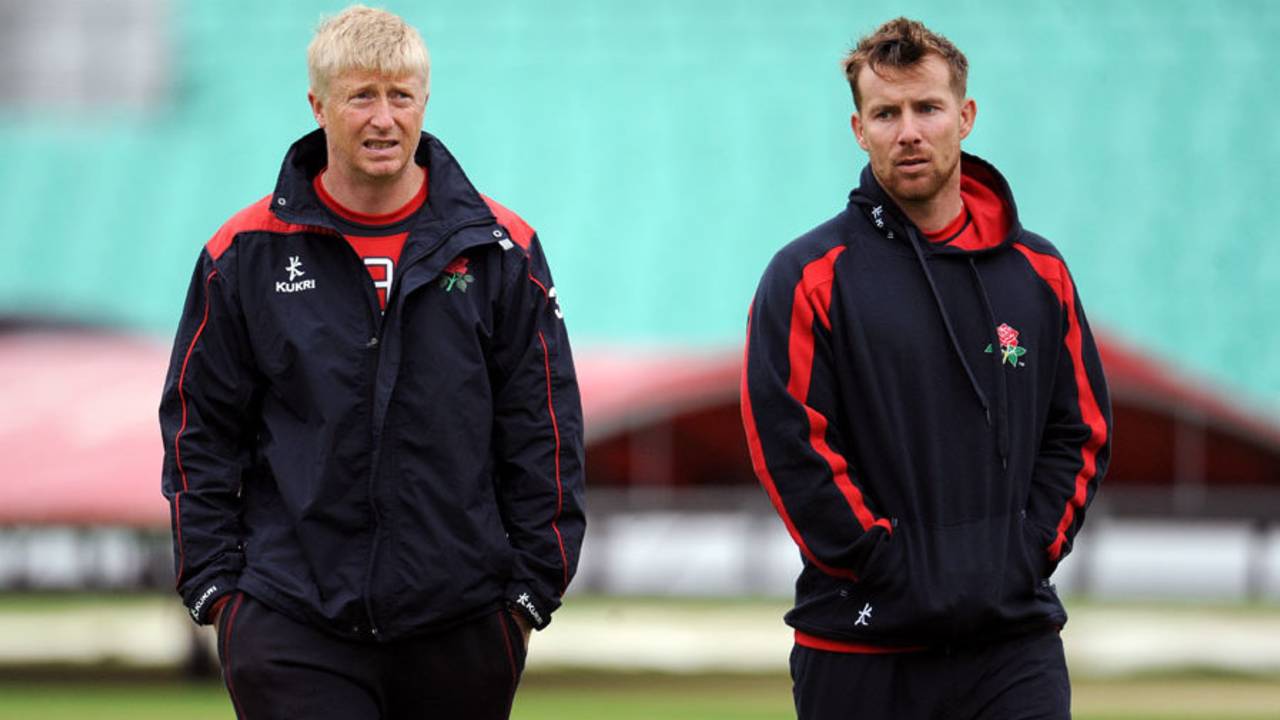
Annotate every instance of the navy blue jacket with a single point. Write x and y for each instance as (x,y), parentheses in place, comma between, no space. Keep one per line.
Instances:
(930,420)
(375,475)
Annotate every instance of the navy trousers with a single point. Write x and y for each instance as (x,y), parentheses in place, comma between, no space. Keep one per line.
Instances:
(1023,678)
(277,668)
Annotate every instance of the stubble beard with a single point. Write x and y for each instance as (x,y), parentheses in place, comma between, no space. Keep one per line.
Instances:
(921,191)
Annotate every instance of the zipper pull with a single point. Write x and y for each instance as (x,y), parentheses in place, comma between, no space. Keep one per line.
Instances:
(373,343)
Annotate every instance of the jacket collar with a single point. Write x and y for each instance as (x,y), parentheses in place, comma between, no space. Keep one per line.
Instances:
(451,198)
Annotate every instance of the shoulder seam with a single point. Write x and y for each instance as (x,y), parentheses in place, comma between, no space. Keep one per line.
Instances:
(520,231)
(1055,283)
(254,218)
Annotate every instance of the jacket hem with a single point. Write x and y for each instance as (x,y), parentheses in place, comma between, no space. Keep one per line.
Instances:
(813,642)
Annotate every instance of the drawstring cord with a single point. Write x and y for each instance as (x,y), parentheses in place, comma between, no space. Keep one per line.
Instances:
(1002,385)
(914,242)
(1002,388)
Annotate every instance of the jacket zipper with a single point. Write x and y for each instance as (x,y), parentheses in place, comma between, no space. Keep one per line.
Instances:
(375,344)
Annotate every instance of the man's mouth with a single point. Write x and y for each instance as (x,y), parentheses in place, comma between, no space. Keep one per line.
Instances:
(912,163)
(380,144)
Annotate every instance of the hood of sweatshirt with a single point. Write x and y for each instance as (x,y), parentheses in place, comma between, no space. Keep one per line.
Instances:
(991,220)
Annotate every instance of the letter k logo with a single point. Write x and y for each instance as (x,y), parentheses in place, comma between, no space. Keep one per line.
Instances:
(864,616)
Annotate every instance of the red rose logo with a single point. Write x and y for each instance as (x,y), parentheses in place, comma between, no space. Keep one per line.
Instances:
(1008,336)
(459,266)
(1009,350)
(455,275)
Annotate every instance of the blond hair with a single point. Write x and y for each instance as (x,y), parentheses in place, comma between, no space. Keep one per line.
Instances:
(901,44)
(363,38)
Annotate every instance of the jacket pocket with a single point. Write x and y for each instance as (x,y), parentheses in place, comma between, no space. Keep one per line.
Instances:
(1035,543)
(932,584)
(936,585)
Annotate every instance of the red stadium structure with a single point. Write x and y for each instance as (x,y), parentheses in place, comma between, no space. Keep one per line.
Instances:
(80,444)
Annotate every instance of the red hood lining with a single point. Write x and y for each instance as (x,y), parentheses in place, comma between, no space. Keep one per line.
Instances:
(952,229)
(992,217)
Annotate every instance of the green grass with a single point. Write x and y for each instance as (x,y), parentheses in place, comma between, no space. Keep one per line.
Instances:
(131,701)
(11,602)
(637,696)
(565,696)
(62,693)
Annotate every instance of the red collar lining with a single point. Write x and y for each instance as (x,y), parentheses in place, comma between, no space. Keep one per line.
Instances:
(953,228)
(360,218)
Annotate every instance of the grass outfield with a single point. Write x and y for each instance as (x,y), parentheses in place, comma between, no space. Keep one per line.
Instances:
(561,696)
(70,686)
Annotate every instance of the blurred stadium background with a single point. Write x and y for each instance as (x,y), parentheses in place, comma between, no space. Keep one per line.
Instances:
(664,150)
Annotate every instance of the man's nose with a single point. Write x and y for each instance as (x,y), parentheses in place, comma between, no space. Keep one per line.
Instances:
(909,130)
(382,114)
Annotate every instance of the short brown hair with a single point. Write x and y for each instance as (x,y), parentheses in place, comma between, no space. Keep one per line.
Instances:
(903,43)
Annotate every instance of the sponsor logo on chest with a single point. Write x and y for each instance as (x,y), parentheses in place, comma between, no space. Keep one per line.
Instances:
(294,284)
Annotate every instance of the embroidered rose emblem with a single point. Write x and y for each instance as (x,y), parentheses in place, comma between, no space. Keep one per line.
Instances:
(455,275)
(1007,335)
(459,265)
(1009,351)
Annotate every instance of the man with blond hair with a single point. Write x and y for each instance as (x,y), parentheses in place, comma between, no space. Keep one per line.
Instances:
(372,429)
(925,407)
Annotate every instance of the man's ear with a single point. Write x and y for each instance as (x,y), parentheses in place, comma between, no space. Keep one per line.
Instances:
(968,113)
(317,107)
(855,121)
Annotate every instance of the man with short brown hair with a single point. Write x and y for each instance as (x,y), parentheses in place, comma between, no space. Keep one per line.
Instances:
(373,435)
(925,407)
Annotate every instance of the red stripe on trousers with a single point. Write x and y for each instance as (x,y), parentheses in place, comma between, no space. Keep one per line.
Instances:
(511,656)
(1055,274)
(226,654)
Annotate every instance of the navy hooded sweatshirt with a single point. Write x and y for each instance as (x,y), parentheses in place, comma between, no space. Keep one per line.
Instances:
(929,419)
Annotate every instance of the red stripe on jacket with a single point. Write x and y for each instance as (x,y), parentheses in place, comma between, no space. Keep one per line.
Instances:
(520,231)
(177,439)
(555,429)
(813,300)
(766,479)
(256,217)
(177,525)
(1054,272)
